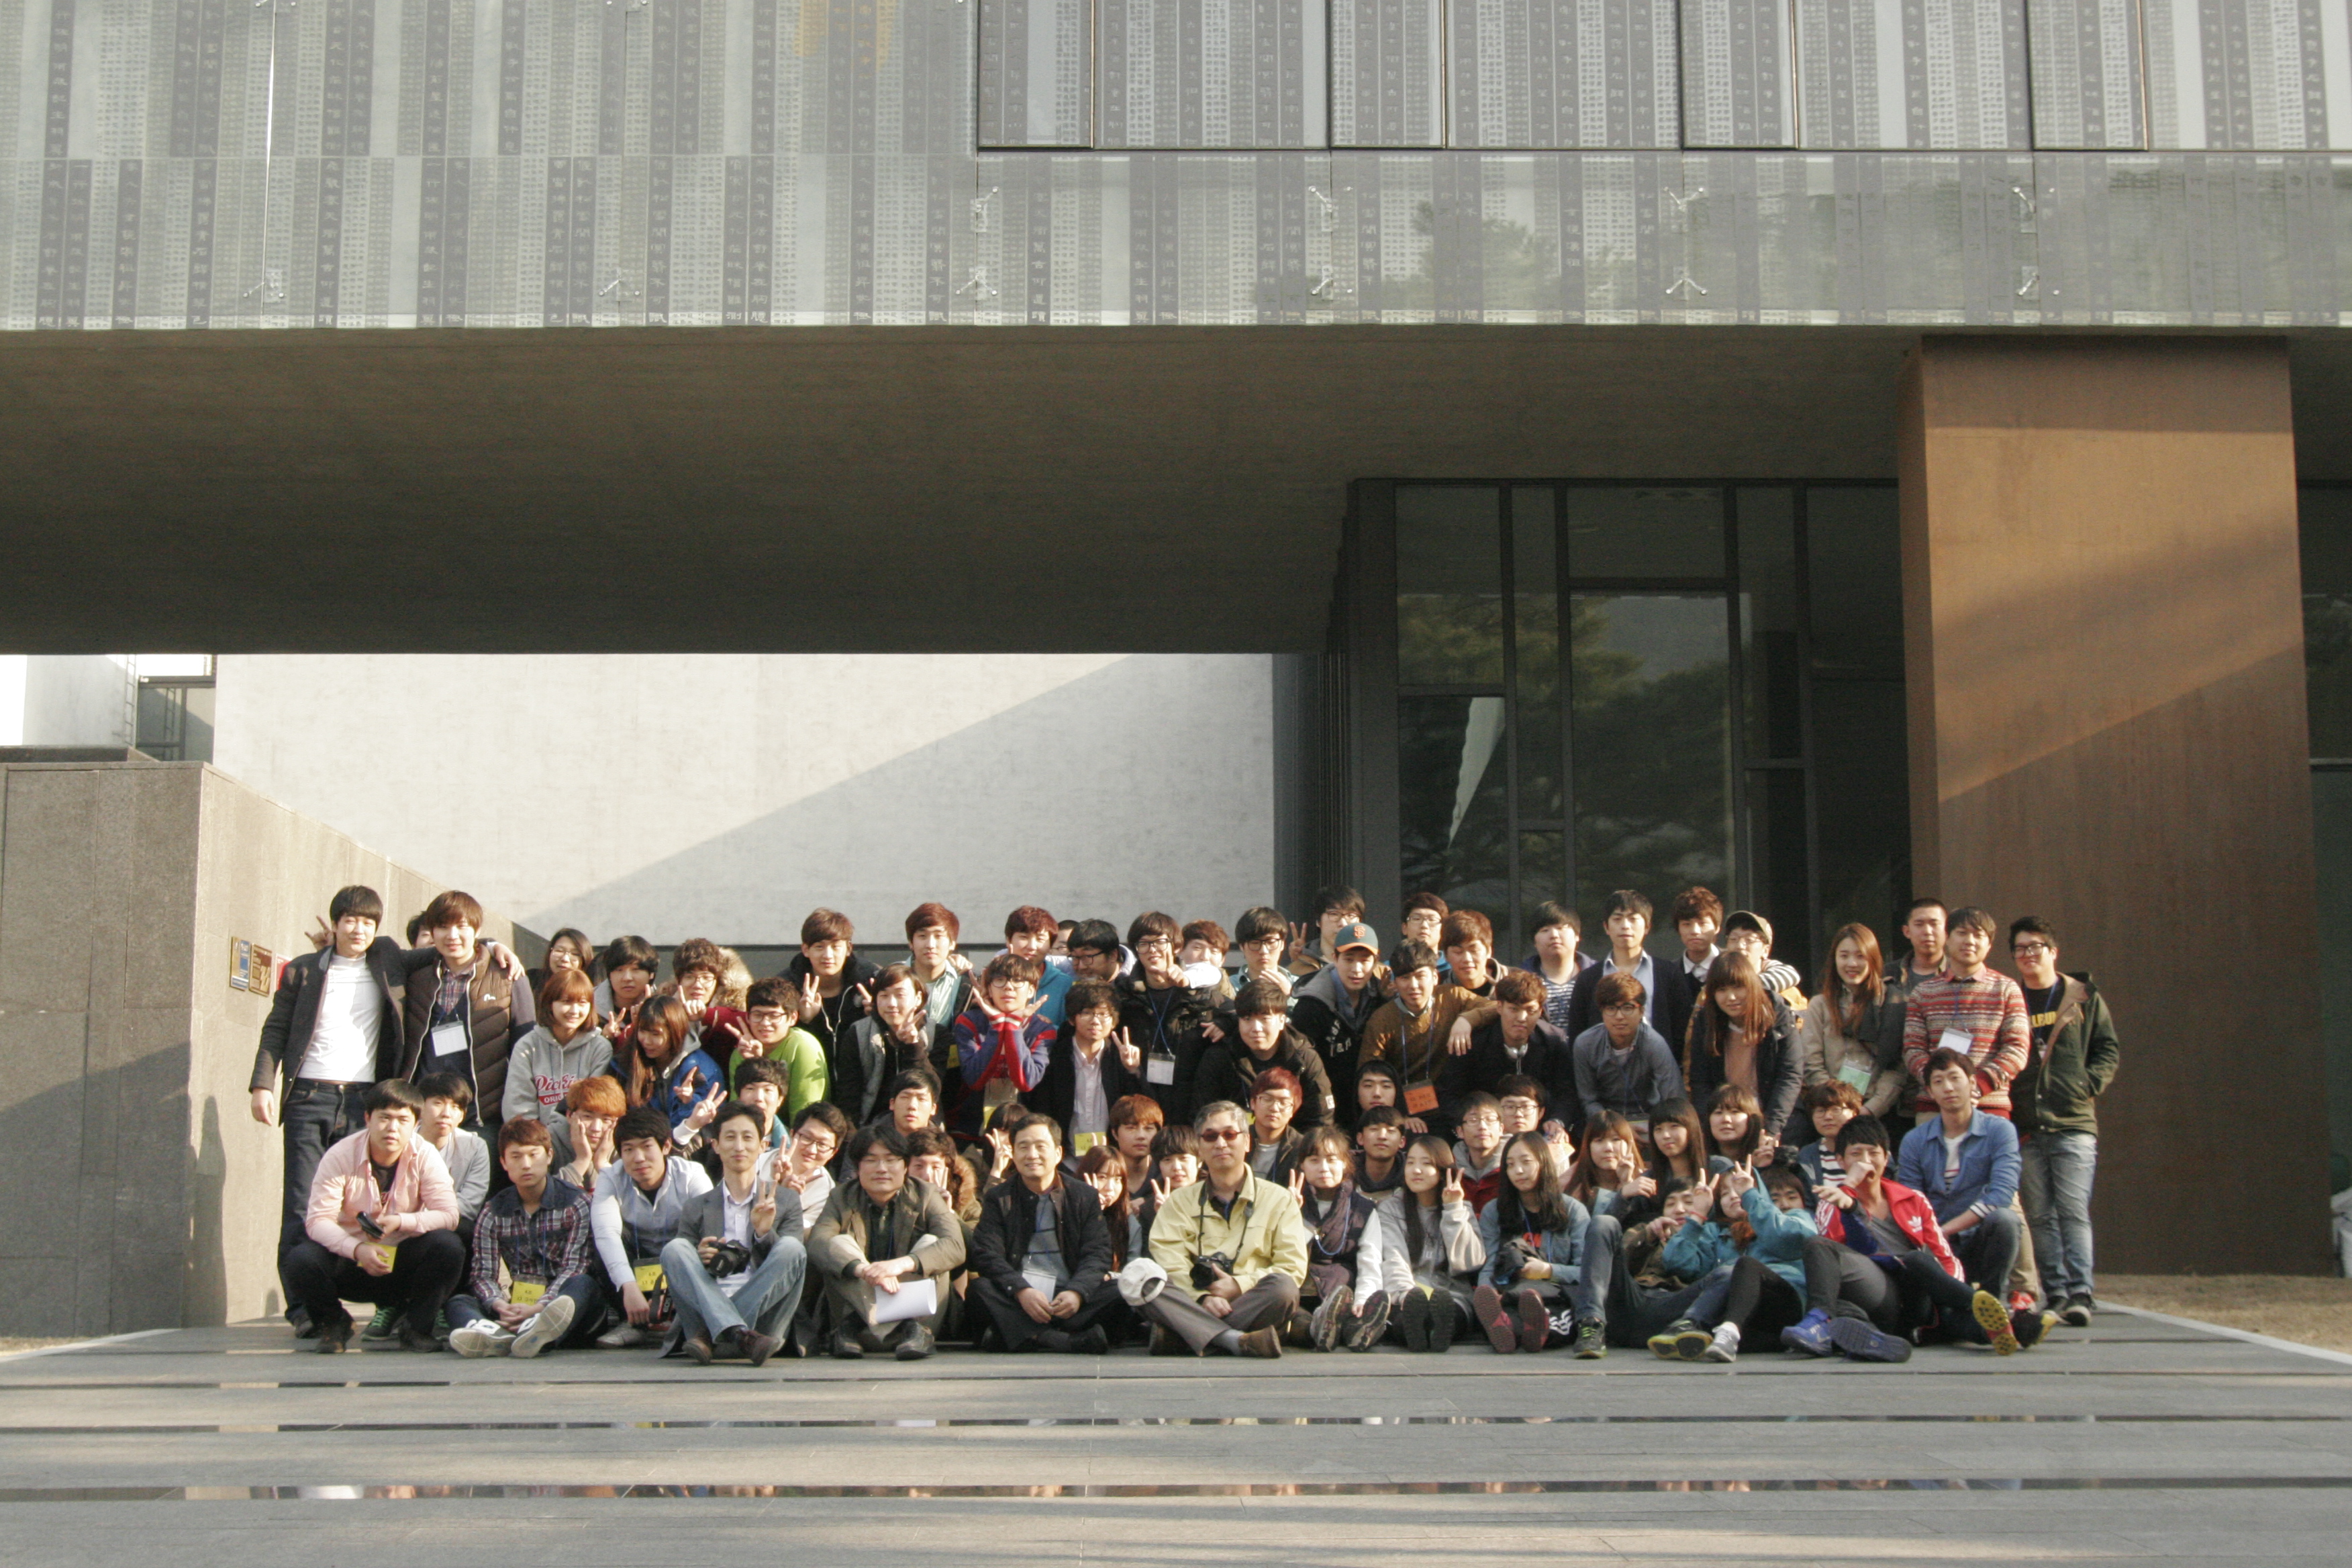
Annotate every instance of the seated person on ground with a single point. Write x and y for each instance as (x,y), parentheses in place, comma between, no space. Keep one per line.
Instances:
(1479,1152)
(736,1265)
(1421,1249)
(592,1108)
(639,1204)
(1534,1238)
(1041,1254)
(1335,1214)
(1230,1250)
(881,1235)
(1625,1291)
(535,1232)
(1966,1163)
(1765,1228)
(382,1227)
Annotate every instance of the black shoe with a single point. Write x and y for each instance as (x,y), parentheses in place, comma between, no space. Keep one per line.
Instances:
(1413,1315)
(425,1342)
(1054,1340)
(334,1338)
(1091,1341)
(846,1345)
(304,1329)
(914,1344)
(2076,1313)
(2025,1325)
(1445,1322)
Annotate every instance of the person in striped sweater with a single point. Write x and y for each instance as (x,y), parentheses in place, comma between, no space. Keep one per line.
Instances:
(1971,1009)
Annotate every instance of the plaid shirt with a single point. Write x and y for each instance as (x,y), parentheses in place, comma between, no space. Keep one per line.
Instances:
(549,1246)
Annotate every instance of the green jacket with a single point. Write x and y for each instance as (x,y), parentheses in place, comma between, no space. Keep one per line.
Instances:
(2059,1089)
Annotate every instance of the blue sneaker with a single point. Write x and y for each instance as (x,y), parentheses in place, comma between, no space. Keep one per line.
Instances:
(1862,1342)
(1809,1335)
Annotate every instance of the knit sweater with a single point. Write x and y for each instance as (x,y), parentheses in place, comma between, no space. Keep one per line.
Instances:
(1990,1010)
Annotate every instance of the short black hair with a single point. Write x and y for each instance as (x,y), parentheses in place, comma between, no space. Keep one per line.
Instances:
(393,1094)
(732,1108)
(364,902)
(1257,924)
(889,1140)
(1862,1130)
(761,1069)
(1549,913)
(1377,1069)
(1039,1118)
(1380,1116)
(1414,955)
(631,953)
(913,1078)
(1520,1084)
(2032,925)
(1339,897)
(1086,995)
(1630,902)
(644,1124)
(1259,997)
(1095,936)
(449,1086)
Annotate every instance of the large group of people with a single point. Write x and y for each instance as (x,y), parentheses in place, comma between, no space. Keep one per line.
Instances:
(1089,1139)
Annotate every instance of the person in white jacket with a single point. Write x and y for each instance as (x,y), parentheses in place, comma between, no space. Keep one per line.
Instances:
(1423,1248)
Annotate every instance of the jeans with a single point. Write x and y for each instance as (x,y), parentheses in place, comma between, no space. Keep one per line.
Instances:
(424,1269)
(587,1310)
(317,1117)
(2056,1183)
(764,1303)
(1607,1294)
(1987,1249)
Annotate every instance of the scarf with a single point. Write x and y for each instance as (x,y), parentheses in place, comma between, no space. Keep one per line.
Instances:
(1331,1235)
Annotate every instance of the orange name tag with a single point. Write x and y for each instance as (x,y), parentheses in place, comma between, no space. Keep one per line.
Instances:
(1420,1097)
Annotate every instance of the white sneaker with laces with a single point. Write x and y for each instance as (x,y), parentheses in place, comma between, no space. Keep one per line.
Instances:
(546,1326)
(1724,1345)
(480,1338)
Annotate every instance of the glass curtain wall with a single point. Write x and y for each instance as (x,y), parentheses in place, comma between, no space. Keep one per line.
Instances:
(1669,738)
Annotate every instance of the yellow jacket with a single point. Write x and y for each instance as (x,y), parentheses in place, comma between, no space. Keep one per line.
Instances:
(1263,1236)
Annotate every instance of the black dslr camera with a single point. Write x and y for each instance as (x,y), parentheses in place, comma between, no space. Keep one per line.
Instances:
(1206,1269)
(729,1258)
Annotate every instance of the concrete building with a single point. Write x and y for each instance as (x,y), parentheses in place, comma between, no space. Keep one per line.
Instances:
(1838,448)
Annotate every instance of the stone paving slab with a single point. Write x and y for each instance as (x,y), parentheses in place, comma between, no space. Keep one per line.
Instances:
(2134,1441)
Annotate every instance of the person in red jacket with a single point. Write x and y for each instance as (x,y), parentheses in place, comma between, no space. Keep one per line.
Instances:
(1880,1269)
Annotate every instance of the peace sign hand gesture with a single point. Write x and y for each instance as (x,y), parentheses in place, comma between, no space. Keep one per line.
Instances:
(1703,1190)
(812,1000)
(1740,1177)
(1451,1192)
(1298,1186)
(1130,1054)
(707,1107)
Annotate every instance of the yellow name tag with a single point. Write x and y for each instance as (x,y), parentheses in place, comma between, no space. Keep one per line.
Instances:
(526,1292)
(650,1277)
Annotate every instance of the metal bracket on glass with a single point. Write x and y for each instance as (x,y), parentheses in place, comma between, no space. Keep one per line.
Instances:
(2026,207)
(979,209)
(629,5)
(1681,203)
(1686,281)
(272,286)
(1329,286)
(1330,208)
(2029,281)
(977,285)
(619,289)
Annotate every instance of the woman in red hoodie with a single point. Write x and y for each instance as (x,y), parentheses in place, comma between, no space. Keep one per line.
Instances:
(1880,1268)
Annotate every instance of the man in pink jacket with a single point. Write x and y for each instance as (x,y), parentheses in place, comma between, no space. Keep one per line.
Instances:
(382,1227)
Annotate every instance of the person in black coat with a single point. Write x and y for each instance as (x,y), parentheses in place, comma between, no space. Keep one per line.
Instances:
(1263,1038)
(1041,1280)
(1090,1031)
(1516,1040)
(1736,1014)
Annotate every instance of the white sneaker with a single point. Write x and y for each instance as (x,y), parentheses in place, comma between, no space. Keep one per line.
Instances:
(480,1338)
(621,1336)
(545,1327)
(1724,1345)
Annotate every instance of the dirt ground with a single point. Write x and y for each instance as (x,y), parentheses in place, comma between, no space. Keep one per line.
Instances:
(2308,1310)
(7,1345)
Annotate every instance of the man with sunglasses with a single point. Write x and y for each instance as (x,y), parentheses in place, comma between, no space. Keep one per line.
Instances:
(1235,1249)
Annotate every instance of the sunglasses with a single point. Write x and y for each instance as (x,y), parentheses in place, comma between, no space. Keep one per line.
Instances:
(1222,1134)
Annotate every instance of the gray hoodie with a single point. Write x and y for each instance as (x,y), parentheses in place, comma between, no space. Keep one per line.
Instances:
(541,1073)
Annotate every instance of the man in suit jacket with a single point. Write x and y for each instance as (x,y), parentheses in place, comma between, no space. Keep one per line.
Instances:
(742,1311)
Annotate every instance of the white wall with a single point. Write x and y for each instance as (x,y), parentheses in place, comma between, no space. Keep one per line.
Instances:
(62,700)
(727,795)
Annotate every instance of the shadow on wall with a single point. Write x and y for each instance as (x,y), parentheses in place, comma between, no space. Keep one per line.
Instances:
(205,1297)
(1061,821)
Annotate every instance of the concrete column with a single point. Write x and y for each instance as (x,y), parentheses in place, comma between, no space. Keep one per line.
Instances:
(2104,647)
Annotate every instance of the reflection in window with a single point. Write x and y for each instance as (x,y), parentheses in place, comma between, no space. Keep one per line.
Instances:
(1449,586)
(1651,695)
(1455,815)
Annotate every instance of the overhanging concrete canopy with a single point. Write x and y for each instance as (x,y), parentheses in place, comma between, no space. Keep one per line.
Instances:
(835,490)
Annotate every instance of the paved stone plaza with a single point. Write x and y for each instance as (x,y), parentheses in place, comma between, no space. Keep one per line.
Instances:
(2136,1439)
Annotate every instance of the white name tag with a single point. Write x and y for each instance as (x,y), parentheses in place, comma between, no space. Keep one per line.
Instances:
(448,1040)
(1955,1040)
(1159,1069)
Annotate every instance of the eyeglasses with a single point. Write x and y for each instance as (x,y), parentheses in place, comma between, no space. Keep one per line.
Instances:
(1222,1134)
(2030,949)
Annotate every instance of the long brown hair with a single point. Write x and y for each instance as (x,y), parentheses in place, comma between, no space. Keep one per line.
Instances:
(1731,969)
(1583,1175)
(1105,1156)
(1684,1115)
(1731,1097)
(1847,1003)
(1440,1154)
(667,1017)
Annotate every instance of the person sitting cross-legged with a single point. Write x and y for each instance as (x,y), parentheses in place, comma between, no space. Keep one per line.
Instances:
(382,1227)
(1231,1248)
(737,1265)
(1041,1253)
(537,1228)
(638,1205)
(1966,1163)
(877,1231)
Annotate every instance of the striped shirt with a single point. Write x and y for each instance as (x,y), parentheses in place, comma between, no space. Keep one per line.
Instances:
(1988,1010)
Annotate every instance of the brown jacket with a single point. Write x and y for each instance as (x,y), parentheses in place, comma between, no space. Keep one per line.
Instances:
(499,1014)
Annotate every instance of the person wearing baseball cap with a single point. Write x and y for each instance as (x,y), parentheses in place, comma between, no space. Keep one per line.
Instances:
(1331,1007)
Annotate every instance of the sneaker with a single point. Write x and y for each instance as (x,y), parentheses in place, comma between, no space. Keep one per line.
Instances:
(1535,1321)
(1445,1322)
(1591,1341)
(1486,1306)
(1413,1315)
(1370,1323)
(1691,1342)
(1724,1344)
(1563,1325)
(1264,1344)
(2076,1313)
(1992,1317)
(549,1324)
(621,1336)
(1330,1315)
(2028,1327)
(1666,1344)
(382,1326)
(334,1338)
(2020,1300)
(1810,1335)
(299,1317)
(1861,1340)
(480,1338)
